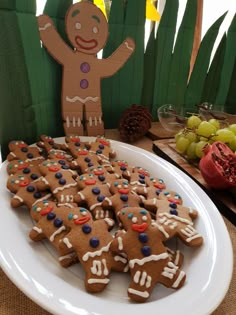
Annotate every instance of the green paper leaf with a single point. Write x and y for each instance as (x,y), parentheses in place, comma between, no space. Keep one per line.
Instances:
(164,46)
(212,80)
(201,65)
(17,117)
(149,71)
(180,63)
(228,65)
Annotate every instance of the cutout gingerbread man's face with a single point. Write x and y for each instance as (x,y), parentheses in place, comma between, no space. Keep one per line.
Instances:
(86,28)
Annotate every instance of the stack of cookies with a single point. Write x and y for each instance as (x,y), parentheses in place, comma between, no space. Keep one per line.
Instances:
(101,212)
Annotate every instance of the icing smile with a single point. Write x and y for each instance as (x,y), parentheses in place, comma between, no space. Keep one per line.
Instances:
(139,227)
(82,220)
(85,44)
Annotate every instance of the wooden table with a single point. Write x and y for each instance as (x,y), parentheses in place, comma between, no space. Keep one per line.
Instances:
(14,302)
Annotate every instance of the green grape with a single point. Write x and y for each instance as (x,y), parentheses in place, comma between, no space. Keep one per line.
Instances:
(199,148)
(191,136)
(182,144)
(232,128)
(179,134)
(225,135)
(191,151)
(216,123)
(205,129)
(193,121)
(232,144)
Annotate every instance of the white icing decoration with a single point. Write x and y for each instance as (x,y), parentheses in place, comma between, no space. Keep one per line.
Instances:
(96,253)
(82,100)
(56,190)
(142,261)
(68,256)
(67,242)
(143,294)
(43,28)
(92,280)
(58,231)
(38,230)
(178,280)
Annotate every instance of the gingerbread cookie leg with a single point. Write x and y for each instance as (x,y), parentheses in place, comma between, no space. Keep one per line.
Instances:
(72,115)
(93,118)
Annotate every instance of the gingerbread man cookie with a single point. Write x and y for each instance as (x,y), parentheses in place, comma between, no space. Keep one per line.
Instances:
(25,192)
(148,258)
(51,226)
(91,240)
(20,150)
(177,220)
(87,31)
(122,196)
(21,167)
(60,180)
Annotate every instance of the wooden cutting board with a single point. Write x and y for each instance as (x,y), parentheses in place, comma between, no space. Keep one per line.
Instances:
(225,201)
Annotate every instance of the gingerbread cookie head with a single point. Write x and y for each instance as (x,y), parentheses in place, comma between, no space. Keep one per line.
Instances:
(171,196)
(53,166)
(20,150)
(135,219)
(120,186)
(86,28)
(24,168)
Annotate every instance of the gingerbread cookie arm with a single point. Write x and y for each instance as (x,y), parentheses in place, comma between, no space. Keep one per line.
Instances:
(52,40)
(113,63)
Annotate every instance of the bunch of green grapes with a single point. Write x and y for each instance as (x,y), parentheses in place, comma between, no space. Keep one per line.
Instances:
(191,140)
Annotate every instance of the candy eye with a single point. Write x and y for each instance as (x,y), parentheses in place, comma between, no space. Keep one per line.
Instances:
(144,218)
(75,216)
(95,30)
(134,219)
(78,26)
(130,215)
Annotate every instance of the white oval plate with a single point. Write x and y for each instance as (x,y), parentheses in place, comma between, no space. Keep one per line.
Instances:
(33,267)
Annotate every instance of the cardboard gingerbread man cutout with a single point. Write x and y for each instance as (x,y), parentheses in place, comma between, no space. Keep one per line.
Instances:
(87,31)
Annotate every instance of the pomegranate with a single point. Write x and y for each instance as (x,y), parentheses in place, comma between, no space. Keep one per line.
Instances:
(218,166)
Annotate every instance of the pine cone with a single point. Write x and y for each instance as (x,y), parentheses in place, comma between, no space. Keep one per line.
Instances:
(134,123)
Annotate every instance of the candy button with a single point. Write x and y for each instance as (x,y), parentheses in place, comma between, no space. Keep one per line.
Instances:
(30,189)
(124,197)
(101,178)
(87,159)
(61,162)
(58,175)
(33,176)
(123,168)
(99,151)
(141,176)
(85,67)
(173,205)
(65,167)
(173,211)
(86,228)
(51,216)
(100,198)
(77,144)
(94,242)
(24,149)
(30,156)
(37,195)
(62,181)
(84,84)
(58,222)
(101,146)
(143,238)
(96,190)
(26,170)
(146,250)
